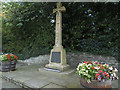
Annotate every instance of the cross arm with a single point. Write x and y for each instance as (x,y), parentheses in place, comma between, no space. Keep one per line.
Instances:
(59,9)
(63,9)
(55,10)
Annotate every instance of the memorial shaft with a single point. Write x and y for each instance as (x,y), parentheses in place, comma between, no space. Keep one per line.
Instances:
(58,37)
(58,34)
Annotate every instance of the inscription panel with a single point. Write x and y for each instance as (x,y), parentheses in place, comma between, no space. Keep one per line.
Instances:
(56,57)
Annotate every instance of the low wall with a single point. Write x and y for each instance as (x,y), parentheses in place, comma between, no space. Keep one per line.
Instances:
(73,59)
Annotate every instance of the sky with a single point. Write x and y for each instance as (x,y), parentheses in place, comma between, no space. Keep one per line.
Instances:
(60,0)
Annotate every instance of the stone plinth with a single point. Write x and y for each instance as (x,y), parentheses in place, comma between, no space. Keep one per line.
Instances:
(58,66)
(58,59)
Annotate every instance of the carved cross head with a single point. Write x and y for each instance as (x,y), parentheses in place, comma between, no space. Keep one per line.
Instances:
(59,5)
(59,8)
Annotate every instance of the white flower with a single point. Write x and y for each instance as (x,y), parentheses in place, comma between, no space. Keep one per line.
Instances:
(114,74)
(86,71)
(80,64)
(104,64)
(88,81)
(97,67)
(83,69)
(111,68)
(90,64)
(116,70)
(117,77)
(77,68)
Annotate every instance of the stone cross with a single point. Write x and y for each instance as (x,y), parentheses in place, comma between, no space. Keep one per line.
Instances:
(58,54)
(58,36)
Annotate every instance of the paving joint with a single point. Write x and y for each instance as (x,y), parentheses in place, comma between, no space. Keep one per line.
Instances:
(46,85)
(59,85)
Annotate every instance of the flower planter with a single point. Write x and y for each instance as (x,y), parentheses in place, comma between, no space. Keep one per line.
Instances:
(8,66)
(95,84)
(96,75)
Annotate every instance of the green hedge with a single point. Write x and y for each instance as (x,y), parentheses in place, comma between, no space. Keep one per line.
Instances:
(28,29)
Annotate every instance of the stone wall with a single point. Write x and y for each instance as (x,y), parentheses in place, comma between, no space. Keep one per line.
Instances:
(74,59)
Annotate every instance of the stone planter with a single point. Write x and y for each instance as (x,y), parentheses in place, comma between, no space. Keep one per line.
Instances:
(8,66)
(95,84)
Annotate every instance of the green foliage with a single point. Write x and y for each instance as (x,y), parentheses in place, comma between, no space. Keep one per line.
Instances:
(28,29)
(91,27)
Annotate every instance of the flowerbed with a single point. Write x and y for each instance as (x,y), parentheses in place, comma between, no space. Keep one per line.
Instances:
(96,71)
(8,62)
(8,57)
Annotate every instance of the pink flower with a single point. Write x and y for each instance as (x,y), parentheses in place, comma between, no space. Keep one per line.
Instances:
(90,62)
(104,73)
(97,75)
(98,63)
(107,74)
(96,78)
(100,71)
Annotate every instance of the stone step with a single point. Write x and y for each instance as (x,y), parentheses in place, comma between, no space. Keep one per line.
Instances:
(56,72)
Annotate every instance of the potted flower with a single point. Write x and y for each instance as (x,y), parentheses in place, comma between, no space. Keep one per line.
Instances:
(8,62)
(96,75)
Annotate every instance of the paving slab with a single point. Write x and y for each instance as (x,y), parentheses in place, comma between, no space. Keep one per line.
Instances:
(63,79)
(33,76)
(115,84)
(7,84)
(36,83)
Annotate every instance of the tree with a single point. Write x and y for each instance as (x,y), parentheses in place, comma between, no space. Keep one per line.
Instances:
(28,28)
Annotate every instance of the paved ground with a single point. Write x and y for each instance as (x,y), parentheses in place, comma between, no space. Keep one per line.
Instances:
(7,84)
(30,77)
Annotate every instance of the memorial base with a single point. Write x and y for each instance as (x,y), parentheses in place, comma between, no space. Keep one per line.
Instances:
(58,59)
(57,66)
